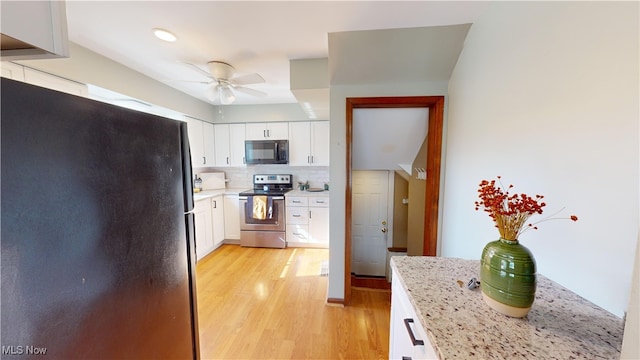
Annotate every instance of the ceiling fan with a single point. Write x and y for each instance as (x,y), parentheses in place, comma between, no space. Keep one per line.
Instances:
(224,82)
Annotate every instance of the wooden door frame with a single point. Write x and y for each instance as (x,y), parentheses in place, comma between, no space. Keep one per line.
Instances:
(435,104)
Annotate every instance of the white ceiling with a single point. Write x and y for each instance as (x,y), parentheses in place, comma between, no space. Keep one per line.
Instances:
(256,36)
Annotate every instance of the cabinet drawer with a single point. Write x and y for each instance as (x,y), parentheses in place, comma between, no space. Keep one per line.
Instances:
(297,215)
(296,201)
(404,324)
(297,233)
(319,201)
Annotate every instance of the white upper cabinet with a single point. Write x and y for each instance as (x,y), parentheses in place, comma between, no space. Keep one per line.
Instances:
(237,135)
(299,145)
(319,143)
(309,143)
(229,144)
(267,131)
(53,82)
(12,71)
(201,141)
(34,77)
(222,141)
(34,30)
(208,142)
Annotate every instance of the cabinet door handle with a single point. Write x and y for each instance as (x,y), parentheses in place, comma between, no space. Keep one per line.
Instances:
(312,159)
(406,358)
(268,133)
(319,201)
(414,341)
(244,160)
(264,133)
(308,159)
(204,159)
(215,204)
(309,214)
(227,160)
(296,201)
(296,215)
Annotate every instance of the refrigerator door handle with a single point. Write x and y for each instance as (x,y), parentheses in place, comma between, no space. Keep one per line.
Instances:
(192,211)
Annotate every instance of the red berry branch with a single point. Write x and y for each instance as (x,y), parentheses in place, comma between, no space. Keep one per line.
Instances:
(510,212)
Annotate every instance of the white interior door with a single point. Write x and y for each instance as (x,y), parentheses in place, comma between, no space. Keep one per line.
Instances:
(369,222)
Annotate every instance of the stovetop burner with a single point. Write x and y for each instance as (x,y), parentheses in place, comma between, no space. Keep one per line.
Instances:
(270,184)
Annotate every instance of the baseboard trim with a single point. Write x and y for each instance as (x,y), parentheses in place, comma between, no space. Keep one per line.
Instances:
(371,283)
(335,302)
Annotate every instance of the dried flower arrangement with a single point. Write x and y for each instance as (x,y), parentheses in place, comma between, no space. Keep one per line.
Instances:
(510,212)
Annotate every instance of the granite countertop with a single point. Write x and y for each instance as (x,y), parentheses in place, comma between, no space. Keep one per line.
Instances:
(460,325)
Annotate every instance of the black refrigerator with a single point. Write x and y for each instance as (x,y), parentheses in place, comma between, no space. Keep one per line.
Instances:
(97,235)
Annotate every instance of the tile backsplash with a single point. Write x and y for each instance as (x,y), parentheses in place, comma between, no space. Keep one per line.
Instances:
(242,177)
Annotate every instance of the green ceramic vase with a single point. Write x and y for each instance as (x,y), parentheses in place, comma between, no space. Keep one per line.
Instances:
(508,277)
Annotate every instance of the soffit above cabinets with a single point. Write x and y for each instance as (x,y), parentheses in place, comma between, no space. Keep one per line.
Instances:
(425,54)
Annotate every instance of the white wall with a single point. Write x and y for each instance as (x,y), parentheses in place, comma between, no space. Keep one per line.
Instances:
(546,95)
(385,138)
(259,113)
(88,67)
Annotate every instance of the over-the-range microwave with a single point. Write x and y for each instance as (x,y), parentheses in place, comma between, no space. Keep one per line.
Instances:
(266,152)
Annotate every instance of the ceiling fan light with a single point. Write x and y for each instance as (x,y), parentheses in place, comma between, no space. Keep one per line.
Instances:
(226,95)
(211,93)
(164,35)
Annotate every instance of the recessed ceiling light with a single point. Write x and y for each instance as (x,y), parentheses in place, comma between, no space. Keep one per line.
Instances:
(163,34)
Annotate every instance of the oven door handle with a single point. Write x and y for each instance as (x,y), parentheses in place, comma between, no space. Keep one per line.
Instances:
(272,197)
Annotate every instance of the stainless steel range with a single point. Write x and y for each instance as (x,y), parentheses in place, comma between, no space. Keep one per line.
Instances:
(262,211)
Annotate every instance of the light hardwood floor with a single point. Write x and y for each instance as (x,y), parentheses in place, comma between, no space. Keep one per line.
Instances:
(256,303)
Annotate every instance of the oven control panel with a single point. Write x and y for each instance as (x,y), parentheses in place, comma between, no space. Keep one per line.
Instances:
(270,179)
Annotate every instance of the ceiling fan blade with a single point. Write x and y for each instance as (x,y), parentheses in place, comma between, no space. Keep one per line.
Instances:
(192,81)
(249,91)
(248,79)
(198,69)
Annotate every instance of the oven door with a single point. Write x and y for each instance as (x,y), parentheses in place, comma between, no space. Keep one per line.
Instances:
(274,223)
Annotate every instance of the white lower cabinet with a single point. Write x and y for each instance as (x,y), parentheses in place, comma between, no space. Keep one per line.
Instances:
(217,216)
(307,221)
(407,338)
(209,221)
(204,228)
(297,220)
(319,220)
(231,217)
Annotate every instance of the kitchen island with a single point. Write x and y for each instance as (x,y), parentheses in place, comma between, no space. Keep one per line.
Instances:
(459,325)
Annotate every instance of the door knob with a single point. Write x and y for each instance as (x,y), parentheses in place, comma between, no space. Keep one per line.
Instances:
(384,230)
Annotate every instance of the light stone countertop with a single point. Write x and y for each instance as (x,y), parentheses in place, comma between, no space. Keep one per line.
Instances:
(460,325)
(205,194)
